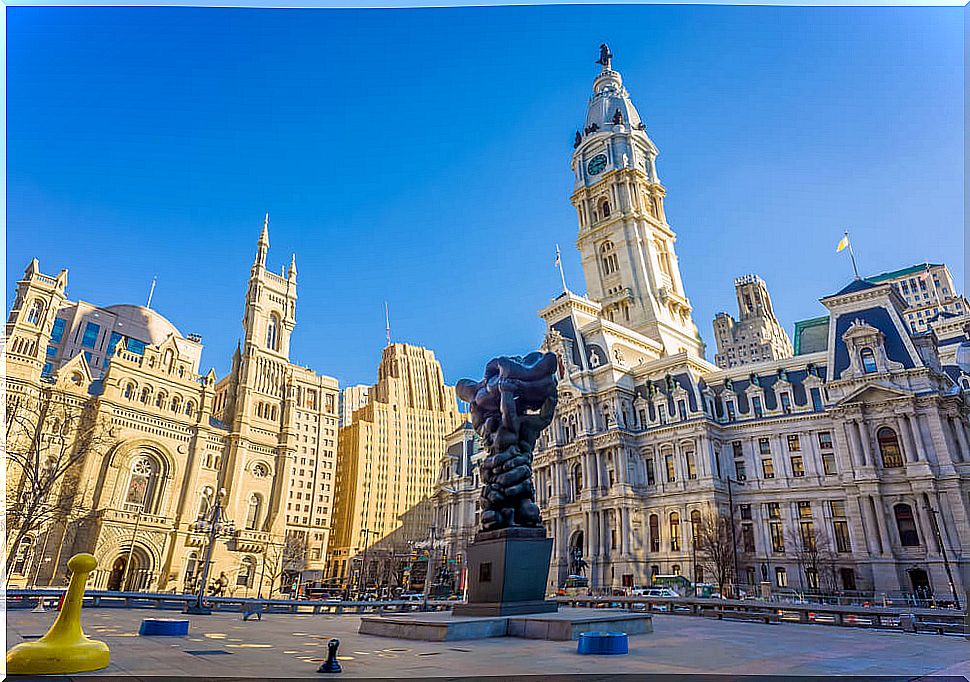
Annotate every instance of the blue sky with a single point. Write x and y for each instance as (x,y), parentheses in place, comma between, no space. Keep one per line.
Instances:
(422,157)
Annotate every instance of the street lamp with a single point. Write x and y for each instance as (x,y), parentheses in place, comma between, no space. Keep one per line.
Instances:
(363,564)
(734,533)
(946,560)
(213,526)
(428,574)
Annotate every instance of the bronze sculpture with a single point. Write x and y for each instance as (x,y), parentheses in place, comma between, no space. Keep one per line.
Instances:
(509,408)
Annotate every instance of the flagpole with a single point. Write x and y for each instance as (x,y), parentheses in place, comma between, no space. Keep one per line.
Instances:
(562,273)
(855,268)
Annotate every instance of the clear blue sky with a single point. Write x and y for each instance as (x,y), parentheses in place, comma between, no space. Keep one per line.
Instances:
(422,157)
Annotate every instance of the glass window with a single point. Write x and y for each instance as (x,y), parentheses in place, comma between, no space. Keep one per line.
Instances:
(691,466)
(51,351)
(737,448)
(759,411)
(794,444)
(892,457)
(786,403)
(740,471)
(141,484)
(57,333)
(817,400)
(767,468)
(675,532)
(906,525)
(91,332)
(764,446)
(731,414)
(654,533)
(804,509)
(651,475)
(840,528)
(828,464)
(868,361)
(797,466)
(825,440)
(671,472)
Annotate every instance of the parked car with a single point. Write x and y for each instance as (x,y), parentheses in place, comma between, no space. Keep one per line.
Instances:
(412,596)
(662,592)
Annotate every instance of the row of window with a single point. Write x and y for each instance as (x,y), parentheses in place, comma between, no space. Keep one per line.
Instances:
(161,399)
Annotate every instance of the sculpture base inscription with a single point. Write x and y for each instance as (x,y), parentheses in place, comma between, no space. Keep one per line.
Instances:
(507,572)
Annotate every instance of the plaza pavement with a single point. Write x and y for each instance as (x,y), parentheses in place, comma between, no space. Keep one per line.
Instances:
(293,645)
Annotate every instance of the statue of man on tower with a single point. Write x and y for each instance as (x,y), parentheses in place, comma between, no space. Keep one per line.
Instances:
(606,57)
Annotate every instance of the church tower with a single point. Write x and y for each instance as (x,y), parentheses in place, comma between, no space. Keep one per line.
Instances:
(626,244)
(270,304)
(32,321)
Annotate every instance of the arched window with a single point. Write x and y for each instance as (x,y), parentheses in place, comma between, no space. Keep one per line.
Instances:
(189,408)
(605,209)
(608,258)
(654,533)
(21,562)
(675,532)
(167,359)
(906,525)
(191,566)
(577,481)
(675,569)
(247,569)
(892,456)
(205,501)
(663,258)
(145,395)
(35,312)
(142,484)
(176,403)
(129,391)
(252,512)
(160,399)
(695,527)
(868,361)
(272,332)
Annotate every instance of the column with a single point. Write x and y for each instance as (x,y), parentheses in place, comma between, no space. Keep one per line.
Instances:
(915,433)
(909,447)
(883,528)
(625,531)
(866,441)
(926,534)
(870,528)
(961,438)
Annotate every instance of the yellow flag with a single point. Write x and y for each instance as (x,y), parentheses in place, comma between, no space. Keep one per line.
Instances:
(844,242)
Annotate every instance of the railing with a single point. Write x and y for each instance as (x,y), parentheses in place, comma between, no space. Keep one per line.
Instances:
(939,621)
(165,600)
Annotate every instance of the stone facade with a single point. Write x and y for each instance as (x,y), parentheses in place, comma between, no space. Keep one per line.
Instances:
(389,453)
(756,335)
(169,438)
(860,442)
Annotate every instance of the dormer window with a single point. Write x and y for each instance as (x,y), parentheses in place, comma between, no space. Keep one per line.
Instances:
(868,361)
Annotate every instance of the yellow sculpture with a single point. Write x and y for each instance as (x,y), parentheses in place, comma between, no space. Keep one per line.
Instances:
(65,648)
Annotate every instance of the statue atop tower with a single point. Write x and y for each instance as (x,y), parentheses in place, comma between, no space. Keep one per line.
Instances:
(606,57)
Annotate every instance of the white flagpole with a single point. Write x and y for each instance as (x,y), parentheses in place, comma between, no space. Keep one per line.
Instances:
(855,268)
(562,273)
(150,293)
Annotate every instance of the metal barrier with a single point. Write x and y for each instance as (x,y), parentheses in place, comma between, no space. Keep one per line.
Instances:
(166,600)
(938,621)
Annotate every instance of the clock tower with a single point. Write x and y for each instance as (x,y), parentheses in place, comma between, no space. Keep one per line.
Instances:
(626,244)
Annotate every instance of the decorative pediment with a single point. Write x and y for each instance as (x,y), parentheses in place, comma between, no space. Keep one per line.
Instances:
(866,346)
(874,393)
(75,374)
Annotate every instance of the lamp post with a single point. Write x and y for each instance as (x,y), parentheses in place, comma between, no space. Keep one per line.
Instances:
(946,559)
(214,528)
(361,579)
(131,551)
(428,574)
(734,533)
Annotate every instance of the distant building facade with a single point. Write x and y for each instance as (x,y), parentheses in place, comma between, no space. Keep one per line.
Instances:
(170,438)
(756,336)
(388,454)
(352,398)
(860,442)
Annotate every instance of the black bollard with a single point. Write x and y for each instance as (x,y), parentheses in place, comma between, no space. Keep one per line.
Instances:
(331,665)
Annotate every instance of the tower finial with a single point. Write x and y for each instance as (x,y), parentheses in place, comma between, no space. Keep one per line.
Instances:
(292,273)
(262,246)
(606,57)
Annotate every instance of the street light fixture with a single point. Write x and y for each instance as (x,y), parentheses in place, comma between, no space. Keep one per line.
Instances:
(946,559)
(213,526)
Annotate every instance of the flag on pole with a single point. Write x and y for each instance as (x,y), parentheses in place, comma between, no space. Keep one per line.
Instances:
(843,243)
(558,256)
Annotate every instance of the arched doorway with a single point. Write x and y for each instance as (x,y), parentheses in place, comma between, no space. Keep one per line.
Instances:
(137,577)
(920,580)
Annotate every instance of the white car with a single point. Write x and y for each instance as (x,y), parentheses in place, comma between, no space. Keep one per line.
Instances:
(654,592)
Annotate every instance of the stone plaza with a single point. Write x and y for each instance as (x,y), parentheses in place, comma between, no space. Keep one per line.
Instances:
(291,646)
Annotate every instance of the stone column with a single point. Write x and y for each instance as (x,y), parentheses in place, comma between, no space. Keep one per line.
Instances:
(883,528)
(870,527)
(925,528)
(866,442)
(909,447)
(916,434)
(964,453)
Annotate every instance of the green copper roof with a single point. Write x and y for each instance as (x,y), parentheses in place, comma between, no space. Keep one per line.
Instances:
(812,328)
(902,273)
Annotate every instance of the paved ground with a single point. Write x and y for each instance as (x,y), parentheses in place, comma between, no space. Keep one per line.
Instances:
(294,645)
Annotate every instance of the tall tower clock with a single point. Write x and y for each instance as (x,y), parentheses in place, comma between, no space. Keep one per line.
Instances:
(626,244)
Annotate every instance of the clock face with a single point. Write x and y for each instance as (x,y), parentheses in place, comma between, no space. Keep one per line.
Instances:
(596,164)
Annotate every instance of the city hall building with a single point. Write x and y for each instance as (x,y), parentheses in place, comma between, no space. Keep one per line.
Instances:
(854,440)
(151,444)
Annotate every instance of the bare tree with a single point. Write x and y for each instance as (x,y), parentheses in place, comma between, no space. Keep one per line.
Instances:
(815,553)
(716,548)
(281,560)
(48,438)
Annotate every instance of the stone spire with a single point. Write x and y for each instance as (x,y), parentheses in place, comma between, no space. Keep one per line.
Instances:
(262,246)
(292,272)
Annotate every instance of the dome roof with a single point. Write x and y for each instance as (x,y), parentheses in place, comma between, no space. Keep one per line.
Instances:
(609,96)
(143,323)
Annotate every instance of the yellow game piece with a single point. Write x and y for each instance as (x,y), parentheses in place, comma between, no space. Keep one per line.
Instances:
(65,648)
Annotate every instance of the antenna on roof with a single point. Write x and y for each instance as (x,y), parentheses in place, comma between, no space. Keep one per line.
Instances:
(387,321)
(151,293)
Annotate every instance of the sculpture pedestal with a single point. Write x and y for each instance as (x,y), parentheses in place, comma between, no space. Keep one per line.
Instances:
(507,573)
